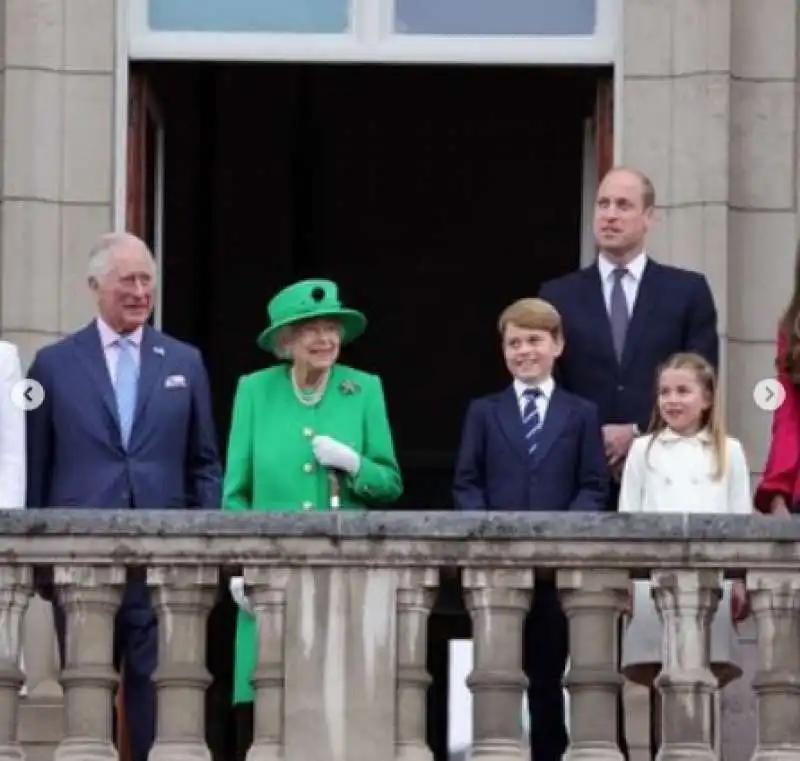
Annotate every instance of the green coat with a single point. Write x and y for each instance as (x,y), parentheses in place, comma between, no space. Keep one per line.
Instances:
(270,464)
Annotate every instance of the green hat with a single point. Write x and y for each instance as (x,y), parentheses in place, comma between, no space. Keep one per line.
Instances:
(308,300)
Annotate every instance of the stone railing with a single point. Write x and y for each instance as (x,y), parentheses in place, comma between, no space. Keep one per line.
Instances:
(342,600)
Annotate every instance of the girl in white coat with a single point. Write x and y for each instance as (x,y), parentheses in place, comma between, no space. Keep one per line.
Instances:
(685,464)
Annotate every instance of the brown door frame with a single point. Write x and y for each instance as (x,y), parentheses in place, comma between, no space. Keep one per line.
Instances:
(142,108)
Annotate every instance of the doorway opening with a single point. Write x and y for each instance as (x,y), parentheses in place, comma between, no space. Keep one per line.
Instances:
(434,196)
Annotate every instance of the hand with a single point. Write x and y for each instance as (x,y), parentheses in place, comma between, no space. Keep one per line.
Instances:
(333,454)
(617,440)
(740,602)
(779,507)
(627,605)
(236,587)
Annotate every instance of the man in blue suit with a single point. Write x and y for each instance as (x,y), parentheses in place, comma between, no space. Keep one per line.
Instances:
(126,423)
(534,446)
(624,316)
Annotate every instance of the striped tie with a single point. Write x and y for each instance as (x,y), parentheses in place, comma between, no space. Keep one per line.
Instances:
(531,419)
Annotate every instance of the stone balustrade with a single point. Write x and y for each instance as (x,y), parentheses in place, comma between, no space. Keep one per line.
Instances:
(342,602)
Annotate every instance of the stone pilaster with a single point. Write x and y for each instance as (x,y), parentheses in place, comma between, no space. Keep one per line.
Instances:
(675,126)
(763,223)
(57,161)
(498,601)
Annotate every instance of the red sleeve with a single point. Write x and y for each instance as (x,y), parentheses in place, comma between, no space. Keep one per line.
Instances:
(783,461)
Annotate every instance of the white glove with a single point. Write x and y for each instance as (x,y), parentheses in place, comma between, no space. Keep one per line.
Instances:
(236,586)
(333,454)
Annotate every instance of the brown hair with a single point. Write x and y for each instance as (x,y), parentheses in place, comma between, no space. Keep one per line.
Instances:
(531,314)
(789,361)
(712,417)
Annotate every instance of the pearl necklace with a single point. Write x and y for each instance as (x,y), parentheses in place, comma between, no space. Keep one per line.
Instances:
(309,398)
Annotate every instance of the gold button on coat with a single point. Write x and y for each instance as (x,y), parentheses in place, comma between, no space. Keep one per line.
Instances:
(307,505)
(308,432)
(308,467)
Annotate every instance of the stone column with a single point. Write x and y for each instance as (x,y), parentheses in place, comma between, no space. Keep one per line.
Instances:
(775,601)
(498,601)
(764,143)
(90,597)
(686,601)
(415,596)
(267,593)
(182,598)
(15,590)
(593,602)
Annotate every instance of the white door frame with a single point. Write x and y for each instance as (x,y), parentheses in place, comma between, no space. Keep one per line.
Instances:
(371,37)
(370,40)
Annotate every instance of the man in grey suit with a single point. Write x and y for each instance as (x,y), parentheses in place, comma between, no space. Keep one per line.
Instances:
(126,423)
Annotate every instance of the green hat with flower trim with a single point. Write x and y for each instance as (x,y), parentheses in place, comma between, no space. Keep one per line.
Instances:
(309,300)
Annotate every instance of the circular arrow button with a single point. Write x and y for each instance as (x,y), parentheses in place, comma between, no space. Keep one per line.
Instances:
(769,394)
(27,394)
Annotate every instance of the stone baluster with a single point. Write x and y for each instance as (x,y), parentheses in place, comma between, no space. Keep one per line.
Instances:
(267,593)
(182,598)
(775,603)
(90,597)
(593,601)
(15,591)
(687,601)
(498,601)
(415,597)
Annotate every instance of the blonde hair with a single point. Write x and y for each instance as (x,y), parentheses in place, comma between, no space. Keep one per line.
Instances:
(531,314)
(712,417)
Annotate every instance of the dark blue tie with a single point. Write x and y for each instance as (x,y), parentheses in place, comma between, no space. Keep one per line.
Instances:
(531,419)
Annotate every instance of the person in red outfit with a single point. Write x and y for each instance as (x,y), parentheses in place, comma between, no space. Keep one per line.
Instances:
(779,489)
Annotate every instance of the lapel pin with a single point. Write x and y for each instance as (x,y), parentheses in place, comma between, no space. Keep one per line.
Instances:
(158,350)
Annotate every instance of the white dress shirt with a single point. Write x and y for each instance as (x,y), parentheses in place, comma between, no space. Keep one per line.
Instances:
(676,476)
(547,386)
(109,338)
(630,282)
(13,474)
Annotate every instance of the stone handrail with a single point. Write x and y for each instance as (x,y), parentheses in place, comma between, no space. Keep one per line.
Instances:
(341,601)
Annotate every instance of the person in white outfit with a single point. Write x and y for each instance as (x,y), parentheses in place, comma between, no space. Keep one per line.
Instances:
(12,439)
(686,463)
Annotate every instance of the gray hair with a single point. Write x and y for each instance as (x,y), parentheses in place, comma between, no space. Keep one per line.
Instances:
(101,256)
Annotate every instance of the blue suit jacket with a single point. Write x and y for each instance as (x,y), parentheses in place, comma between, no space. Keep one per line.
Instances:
(75,452)
(495,472)
(674,312)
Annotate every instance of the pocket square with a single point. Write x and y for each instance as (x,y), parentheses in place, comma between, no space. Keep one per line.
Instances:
(175,381)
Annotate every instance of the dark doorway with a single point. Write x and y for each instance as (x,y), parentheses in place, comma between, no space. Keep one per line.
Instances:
(434,195)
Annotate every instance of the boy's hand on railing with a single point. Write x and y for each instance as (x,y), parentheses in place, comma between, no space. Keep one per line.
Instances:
(627,608)
(740,602)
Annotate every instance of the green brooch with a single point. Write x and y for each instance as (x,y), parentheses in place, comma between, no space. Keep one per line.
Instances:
(349,387)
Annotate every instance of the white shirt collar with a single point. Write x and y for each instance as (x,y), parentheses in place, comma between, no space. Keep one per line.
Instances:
(547,386)
(635,266)
(668,436)
(109,336)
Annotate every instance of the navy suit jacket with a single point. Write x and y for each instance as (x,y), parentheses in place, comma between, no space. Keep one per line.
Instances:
(75,452)
(495,472)
(674,312)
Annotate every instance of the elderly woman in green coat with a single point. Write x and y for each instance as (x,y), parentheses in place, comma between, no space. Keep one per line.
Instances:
(307,434)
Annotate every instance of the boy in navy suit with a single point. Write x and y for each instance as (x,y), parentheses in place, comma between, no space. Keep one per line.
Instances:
(534,446)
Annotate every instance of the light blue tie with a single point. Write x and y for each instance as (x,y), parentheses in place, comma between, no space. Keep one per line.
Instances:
(125,387)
